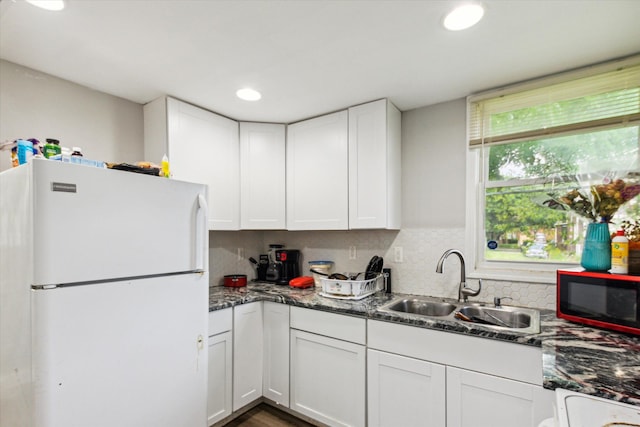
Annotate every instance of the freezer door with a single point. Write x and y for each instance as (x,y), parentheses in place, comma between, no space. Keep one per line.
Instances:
(125,354)
(94,224)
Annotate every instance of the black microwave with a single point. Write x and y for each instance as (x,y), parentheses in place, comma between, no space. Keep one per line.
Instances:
(609,301)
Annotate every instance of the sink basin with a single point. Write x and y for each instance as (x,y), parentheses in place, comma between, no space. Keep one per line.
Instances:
(503,317)
(526,320)
(507,317)
(420,306)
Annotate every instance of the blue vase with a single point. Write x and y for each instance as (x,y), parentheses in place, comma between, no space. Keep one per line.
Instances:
(596,255)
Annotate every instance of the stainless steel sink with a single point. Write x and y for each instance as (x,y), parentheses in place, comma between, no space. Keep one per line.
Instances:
(420,306)
(500,318)
(506,317)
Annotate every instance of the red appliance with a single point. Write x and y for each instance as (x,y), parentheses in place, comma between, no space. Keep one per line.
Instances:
(235,280)
(302,282)
(608,301)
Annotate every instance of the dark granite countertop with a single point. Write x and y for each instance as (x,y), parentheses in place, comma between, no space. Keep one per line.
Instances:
(591,361)
(575,357)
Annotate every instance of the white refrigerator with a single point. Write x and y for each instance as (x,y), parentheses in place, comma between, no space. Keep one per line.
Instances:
(103,298)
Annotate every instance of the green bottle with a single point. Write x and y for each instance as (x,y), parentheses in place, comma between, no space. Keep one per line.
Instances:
(51,148)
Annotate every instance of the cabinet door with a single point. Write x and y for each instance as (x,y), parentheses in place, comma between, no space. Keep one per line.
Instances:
(374,166)
(275,384)
(404,392)
(220,371)
(262,171)
(317,173)
(480,400)
(204,148)
(247,354)
(328,379)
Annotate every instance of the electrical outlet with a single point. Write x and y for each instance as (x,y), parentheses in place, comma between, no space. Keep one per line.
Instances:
(397,254)
(240,254)
(352,252)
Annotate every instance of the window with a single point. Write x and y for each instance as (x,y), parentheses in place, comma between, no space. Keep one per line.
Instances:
(532,142)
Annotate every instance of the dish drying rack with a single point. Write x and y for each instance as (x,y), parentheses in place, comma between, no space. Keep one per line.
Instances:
(352,289)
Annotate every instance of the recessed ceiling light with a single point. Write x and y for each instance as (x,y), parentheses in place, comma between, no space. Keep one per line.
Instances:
(248,94)
(463,17)
(48,4)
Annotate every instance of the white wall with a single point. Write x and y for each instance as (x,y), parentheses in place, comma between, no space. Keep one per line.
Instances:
(38,105)
(433,166)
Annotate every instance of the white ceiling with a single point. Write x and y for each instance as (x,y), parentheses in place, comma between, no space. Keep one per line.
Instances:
(310,57)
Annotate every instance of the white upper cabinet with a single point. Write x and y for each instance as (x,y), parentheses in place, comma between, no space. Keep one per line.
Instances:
(339,171)
(262,176)
(202,147)
(317,173)
(344,170)
(374,166)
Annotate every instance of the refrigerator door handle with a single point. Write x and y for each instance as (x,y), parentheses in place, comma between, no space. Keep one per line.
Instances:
(201,233)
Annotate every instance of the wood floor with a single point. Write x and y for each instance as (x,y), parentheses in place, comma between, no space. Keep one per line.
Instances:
(265,415)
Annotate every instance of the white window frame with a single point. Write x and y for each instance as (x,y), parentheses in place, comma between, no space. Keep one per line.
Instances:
(530,272)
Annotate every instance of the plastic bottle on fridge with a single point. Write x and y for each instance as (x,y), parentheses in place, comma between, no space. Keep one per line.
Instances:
(52,148)
(619,254)
(25,151)
(14,157)
(165,166)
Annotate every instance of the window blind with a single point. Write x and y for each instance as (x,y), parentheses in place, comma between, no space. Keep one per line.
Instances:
(569,103)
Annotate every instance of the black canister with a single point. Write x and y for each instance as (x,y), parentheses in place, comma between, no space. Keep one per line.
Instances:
(262,266)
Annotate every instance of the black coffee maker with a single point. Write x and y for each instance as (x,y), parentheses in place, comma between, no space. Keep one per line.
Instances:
(273,272)
(289,260)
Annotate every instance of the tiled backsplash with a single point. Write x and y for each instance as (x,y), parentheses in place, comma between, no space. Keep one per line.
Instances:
(416,274)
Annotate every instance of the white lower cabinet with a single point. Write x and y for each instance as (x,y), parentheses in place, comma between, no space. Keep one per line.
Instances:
(346,371)
(220,365)
(488,383)
(404,391)
(328,379)
(247,354)
(328,375)
(481,400)
(220,368)
(275,378)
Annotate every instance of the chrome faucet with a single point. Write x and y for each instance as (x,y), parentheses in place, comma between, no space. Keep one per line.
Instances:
(463,292)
